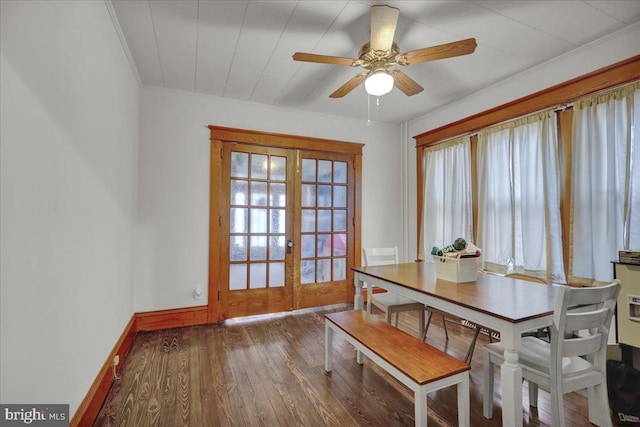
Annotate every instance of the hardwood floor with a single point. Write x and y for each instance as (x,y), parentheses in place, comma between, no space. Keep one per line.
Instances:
(269,371)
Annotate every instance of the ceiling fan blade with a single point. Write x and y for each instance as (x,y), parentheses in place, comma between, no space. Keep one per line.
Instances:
(383,27)
(324,59)
(433,53)
(349,86)
(406,84)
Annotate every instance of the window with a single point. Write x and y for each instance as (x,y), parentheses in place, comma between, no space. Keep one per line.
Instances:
(448,211)
(519,197)
(581,186)
(606,183)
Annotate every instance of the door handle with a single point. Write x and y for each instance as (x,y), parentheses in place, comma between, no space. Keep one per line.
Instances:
(289,246)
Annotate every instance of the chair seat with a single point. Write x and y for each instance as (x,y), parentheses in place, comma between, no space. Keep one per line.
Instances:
(390,299)
(535,355)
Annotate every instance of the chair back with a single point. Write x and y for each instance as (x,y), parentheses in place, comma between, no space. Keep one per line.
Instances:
(380,256)
(578,310)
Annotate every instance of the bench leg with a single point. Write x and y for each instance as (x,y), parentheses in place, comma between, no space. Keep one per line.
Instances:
(328,341)
(420,397)
(487,385)
(463,401)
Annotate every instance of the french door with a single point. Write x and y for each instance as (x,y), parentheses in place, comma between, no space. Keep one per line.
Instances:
(257,230)
(287,234)
(324,222)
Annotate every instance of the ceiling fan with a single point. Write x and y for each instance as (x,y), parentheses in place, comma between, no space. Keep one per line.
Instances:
(381,53)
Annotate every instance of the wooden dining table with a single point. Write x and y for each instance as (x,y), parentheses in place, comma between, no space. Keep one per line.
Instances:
(507,305)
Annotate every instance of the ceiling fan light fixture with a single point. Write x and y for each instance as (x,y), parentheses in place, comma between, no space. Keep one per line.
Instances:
(379,83)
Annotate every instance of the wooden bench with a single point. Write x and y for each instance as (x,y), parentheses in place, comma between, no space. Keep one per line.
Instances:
(413,362)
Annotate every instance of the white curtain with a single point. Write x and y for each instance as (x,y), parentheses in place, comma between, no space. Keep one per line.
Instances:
(519,197)
(632,240)
(603,183)
(447,203)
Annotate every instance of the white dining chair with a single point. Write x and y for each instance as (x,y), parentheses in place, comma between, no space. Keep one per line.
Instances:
(575,359)
(390,303)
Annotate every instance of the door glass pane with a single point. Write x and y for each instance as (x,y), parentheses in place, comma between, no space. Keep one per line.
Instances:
(239,165)
(258,166)
(324,245)
(308,220)
(258,193)
(276,274)
(238,248)
(278,195)
(324,196)
(239,192)
(237,277)
(308,246)
(339,220)
(278,168)
(324,270)
(308,195)
(258,249)
(340,172)
(258,220)
(309,170)
(258,276)
(276,247)
(339,268)
(307,271)
(340,196)
(324,171)
(277,220)
(238,220)
(324,220)
(339,244)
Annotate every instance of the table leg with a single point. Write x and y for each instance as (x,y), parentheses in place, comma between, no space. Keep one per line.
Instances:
(358,302)
(328,345)
(370,305)
(511,379)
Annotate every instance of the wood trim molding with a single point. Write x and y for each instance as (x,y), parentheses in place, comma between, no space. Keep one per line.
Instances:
(357,231)
(93,400)
(88,410)
(167,319)
(420,198)
(215,178)
(283,141)
(614,75)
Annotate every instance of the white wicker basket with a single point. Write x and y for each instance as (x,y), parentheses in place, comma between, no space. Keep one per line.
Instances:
(457,270)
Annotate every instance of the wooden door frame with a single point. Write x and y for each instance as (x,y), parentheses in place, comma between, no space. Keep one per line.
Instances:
(219,135)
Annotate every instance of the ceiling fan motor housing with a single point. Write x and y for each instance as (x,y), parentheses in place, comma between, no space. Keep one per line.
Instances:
(369,55)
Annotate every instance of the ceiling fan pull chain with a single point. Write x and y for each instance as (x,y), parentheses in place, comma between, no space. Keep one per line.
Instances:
(368,110)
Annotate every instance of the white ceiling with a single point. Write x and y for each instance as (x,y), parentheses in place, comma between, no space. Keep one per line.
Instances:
(242,49)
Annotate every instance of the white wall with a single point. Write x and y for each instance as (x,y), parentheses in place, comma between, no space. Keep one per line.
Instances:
(599,54)
(69,112)
(171,243)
